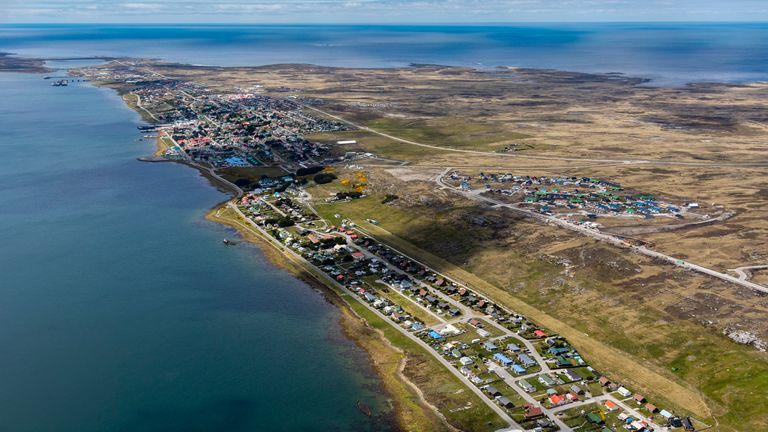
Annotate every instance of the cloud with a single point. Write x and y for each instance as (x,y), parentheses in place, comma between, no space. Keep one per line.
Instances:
(353,11)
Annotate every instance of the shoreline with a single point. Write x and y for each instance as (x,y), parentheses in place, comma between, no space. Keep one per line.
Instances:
(386,360)
(373,342)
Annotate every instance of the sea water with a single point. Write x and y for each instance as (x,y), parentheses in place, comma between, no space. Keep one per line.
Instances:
(121,309)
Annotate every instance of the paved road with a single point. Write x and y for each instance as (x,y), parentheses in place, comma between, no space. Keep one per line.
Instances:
(745,273)
(510,381)
(529,156)
(319,273)
(476,195)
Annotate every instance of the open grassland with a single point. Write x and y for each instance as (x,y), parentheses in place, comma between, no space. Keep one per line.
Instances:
(449,132)
(250,174)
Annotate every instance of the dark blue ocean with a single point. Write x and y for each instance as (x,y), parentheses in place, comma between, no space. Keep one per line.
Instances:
(668,53)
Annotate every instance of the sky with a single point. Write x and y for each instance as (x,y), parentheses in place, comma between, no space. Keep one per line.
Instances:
(377,11)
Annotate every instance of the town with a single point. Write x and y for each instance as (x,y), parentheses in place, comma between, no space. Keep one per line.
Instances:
(536,378)
(533,379)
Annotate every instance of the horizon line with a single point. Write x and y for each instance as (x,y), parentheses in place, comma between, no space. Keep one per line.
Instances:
(386,23)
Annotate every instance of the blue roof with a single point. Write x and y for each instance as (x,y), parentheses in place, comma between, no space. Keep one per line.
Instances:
(558,350)
(502,358)
(434,335)
(517,368)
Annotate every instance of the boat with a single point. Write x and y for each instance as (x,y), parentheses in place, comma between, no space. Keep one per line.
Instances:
(228,242)
(60,83)
(364,408)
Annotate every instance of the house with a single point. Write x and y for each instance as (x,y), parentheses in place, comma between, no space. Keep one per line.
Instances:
(434,335)
(462,292)
(466,361)
(556,351)
(514,348)
(666,414)
(651,408)
(368,297)
(610,405)
(624,392)
(688,424)
(539,333)
(604,381)
(490,346)
(526,360)
(358,255)
(557,400)
(532,411)
(454,311)
(474,322)
(501,358)
(573,376)
(525,385)
(430,299)
(593,418)
(505,402)
(518,369)
(483,333)
(576,389)
(491,390)
(639,398)
(547,380)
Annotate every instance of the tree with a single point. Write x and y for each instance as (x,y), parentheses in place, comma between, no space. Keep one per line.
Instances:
(324,178)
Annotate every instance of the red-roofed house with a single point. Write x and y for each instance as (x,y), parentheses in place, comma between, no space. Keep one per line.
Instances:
(556,400)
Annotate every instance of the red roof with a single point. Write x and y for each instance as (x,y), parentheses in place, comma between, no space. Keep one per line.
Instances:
(539,333)
(556,399)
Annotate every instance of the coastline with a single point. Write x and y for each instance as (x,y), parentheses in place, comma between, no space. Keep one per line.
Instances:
(411,410)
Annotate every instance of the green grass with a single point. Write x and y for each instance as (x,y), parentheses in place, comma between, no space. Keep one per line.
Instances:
(724,374)
(448,132)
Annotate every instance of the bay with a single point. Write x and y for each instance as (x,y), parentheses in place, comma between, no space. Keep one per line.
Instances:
(121,310)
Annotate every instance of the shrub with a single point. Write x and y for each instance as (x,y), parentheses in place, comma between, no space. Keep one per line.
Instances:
(389,198)
(284,222)
(309,170)
(324,178)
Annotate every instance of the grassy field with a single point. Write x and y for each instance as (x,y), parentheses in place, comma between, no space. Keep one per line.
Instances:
(376,144)
(252,174)
(450,132)
(674,362)
(398,356)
